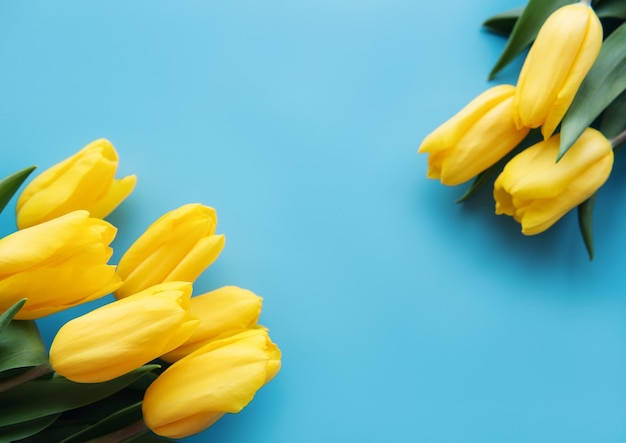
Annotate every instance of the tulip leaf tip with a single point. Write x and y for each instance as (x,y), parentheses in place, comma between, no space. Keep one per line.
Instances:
(585,213)
(8,315)
(10,184)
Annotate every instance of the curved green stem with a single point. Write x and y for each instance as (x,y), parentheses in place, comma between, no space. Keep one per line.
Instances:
(24,377)
(618,139)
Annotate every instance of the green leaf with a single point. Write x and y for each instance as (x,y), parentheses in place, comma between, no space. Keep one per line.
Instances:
(21,347)
(8,315)
(605,81)
(614,117)
(40,398)
(479,181)
(504,22)
(26,429)
(114,422)
(9,185)
(526,29)
(585,216)
(611,8)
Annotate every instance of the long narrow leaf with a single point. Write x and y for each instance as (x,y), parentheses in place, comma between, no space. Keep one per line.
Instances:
(614,117)
(9,185)
(611,8)
(41,398)
(526,29)
(504,22)
(585,219)
(8,315)
(26,429)
(112,423)
(605,81)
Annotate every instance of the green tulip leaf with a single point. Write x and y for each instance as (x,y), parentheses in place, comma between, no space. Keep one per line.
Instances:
(26,429)
(116,421)
(20,347)
(613,118)
(585,216)
(53,433)
(504,22)
(10,184)
(605,81)
(40,398)
(8,315)
(479,181)
(526,29)
(611,8)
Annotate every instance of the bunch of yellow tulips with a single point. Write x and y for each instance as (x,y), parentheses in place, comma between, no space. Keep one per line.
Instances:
(210,352)
(539,184)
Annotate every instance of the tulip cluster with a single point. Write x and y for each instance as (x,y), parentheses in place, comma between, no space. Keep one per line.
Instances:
(536,185)
(210,352)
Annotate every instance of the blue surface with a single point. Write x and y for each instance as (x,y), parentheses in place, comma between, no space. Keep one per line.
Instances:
(402,316)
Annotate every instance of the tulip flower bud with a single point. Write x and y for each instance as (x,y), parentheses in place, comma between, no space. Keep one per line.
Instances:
(56,265)
(82,181)
(224,310)
(565,48)
(177,247)
(537,191)
(221,377)
(474,139)
(117,338)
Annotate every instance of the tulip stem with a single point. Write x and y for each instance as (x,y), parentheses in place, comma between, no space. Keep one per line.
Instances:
(26,376)
(618,139)
(132,430)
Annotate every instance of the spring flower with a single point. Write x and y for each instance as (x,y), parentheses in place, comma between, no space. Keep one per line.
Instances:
(56,265)
(537,191)
(117,338)
(177,247)
(85,180)
(224,310)
(565,48)
(474,139)
(221,377)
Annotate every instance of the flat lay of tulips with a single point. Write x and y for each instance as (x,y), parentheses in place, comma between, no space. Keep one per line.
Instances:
(546,144)
(157,362)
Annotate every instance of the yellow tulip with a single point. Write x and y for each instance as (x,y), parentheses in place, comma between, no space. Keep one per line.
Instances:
(537,191)
(224,310)
(117,338)
(82,181)
(56,265)
(565,48)
(177,247)
(474,139)
(221,377)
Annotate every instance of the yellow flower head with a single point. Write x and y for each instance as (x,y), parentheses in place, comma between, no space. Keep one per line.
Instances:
(537,191)
(117,338)
(474,139)
(85,180)
(177,247)
(565,48)
(56,265)
(224,310)
(221,377)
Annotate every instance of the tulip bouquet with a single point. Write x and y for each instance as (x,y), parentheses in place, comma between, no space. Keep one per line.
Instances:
(550,139)
(154,363)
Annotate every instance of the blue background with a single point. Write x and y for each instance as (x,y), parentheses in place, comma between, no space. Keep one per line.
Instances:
(402,316)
